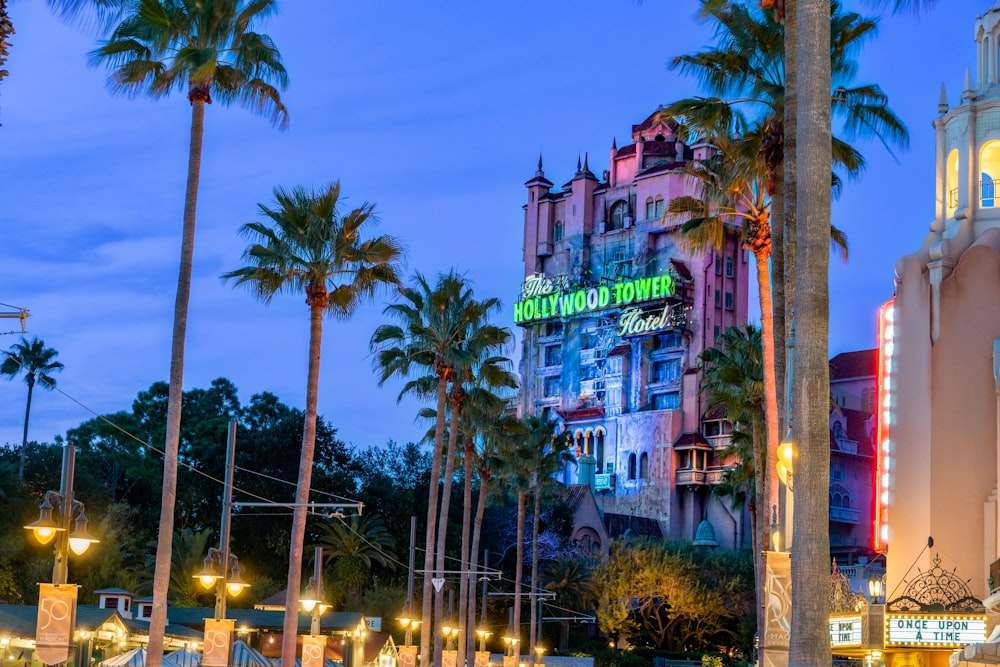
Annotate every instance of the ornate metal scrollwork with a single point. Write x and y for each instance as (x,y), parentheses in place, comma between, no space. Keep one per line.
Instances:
(937,590)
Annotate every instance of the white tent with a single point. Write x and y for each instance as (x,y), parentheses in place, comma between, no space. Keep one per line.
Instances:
(327,662)
(245,656)
(134,658)
(184,657)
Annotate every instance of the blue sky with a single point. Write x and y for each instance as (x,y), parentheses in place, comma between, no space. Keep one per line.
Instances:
(434,111)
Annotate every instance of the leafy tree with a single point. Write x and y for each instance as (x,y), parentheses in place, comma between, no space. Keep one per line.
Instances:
(310,246)
(36,362)
(209,47)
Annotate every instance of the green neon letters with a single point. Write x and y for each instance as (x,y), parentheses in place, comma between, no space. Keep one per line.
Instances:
(583,300)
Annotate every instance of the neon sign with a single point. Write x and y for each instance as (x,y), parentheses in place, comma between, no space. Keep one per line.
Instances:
(543,300)
(885,411)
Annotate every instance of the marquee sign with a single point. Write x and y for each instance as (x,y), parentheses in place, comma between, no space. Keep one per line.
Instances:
(845,631)
(937,630)
(544,298)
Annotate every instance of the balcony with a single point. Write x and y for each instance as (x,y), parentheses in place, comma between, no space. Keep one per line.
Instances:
(691,477)
(604,482)
(590,387)
(715,474)
(847,446)
(845,515)
(590,354)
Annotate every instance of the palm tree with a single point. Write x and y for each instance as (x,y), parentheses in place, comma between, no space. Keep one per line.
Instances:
(308,245)
(494,429)
(575,587)
(209,47)
(550,456)
(743,71)
(355,545)
(733,378)
(481,409)
(36,362)
(427,344)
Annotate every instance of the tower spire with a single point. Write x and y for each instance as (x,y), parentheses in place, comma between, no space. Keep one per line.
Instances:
(539,172)
(943,101)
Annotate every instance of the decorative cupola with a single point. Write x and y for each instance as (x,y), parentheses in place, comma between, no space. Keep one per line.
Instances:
(967,139)
(115,598)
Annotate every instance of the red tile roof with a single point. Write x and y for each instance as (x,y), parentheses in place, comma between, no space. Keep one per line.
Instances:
(860,363)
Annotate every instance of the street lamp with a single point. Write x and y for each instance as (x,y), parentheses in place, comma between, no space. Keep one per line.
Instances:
(483,634)
(409,623)
(449,632)
(539,651)
(221,566)
(876,588)
(48,527)
(312,599)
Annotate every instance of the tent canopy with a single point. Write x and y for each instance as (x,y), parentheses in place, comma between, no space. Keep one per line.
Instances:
(134,658)
(184,657)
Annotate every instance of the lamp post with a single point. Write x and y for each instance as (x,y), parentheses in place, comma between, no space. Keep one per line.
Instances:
(69,510)
(483,635)
(876,588)
(221,567)
(450,632)
(312,599)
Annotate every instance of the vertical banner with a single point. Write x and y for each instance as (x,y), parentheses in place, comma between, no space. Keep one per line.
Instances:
(407,656)
(777,609)
(510,661)
(482,659)
(56,621)
(218,642)
(449,658)
(313,650)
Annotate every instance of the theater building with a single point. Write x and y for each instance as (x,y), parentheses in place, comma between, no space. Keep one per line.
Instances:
(614,313)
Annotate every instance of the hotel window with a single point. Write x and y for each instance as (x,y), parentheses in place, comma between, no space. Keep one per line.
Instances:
(553,384)
(619,210)
(650,208)
(718,299)
(631,466)
(729,300)
(729,267)
(553,355)
(644,466)
(553,328)
(668,401)
(718,264)
(669,341)
(868,400)
(716,333)
(557,231)
(659,207)
(666,371)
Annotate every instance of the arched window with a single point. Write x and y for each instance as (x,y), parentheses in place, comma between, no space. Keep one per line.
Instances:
(644,466)
(650,208)
(619,211)
(599,450)
(838,431)
(557,231)
(988,190)
(659,207)
(631,466)
(952,179)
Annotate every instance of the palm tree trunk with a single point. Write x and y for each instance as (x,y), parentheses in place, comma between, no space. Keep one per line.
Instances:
(810,636)
(770,387)
(759,528)
(778,212)
(30,379)
(290,627)
(466,631)
(477,526)
(790,186)
(522,501)
(164,544)
(442,532)
(426,608)
(533,601)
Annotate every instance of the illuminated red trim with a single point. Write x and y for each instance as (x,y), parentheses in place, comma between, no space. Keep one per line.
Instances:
(881,455)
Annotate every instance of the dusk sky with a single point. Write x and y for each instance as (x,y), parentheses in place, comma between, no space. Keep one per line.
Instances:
(436,112)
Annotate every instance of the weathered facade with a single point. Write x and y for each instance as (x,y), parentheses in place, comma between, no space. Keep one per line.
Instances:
(614,314)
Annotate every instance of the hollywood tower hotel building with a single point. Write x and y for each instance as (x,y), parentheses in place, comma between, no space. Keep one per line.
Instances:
(614,314)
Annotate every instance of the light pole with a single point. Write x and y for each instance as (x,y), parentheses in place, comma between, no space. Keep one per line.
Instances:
(69,509)
(449,632)
(221,567)
(312,599)
(483,635)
